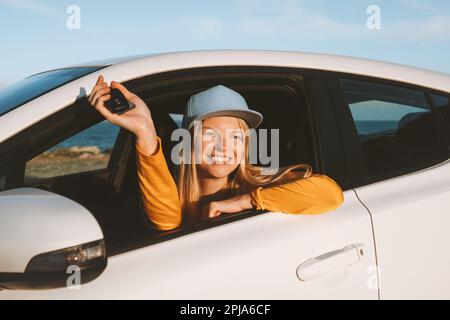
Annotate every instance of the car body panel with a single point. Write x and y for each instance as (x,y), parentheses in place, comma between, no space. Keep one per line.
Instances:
(254,258)
(411,218)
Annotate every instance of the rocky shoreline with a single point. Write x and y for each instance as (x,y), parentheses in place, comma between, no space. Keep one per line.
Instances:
(64,161)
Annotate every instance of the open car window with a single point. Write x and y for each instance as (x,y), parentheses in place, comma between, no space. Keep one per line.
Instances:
(281,98)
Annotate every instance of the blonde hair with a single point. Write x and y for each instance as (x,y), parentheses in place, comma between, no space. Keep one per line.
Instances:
(245,178)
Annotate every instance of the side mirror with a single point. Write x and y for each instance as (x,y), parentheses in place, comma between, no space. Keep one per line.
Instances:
(46,238)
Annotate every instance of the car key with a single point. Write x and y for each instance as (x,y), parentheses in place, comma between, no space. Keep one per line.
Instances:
(118,103)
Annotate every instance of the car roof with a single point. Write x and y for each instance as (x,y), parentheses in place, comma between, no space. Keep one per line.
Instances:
(133,67)
(297,59)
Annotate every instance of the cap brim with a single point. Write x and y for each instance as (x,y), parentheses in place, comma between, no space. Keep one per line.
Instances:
(252,117)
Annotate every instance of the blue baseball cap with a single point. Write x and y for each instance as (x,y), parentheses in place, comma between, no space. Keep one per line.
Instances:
(219,101)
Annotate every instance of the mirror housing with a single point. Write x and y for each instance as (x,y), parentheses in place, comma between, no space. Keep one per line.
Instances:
(45,238)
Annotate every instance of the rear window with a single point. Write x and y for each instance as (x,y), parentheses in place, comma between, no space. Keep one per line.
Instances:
(21,92)
(395,125)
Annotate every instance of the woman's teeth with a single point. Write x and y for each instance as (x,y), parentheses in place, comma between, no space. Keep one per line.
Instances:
(220,159)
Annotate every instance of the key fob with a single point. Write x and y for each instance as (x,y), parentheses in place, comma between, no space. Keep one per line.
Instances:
(118,103)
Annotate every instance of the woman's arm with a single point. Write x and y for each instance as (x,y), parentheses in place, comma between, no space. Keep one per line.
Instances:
(158,189)
(315,194)
(137,120)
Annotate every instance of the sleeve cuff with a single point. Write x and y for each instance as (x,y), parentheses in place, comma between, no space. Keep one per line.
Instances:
(255,199)
(155,153)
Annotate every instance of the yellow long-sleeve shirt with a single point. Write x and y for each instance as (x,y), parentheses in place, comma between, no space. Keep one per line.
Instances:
(315,194)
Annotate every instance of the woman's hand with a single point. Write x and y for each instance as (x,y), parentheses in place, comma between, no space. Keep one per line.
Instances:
(137,120)
(231,205)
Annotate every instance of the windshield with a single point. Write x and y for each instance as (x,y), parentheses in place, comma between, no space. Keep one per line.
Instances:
(21,92)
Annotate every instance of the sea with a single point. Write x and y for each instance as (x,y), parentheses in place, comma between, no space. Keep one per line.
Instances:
(103,135)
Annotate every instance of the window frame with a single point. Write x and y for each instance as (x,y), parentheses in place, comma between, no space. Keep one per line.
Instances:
(321,120)
(354,155)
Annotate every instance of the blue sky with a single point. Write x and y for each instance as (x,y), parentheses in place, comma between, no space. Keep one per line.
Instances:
(34,36)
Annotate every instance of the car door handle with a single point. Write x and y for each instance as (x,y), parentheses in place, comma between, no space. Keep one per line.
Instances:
(330,261)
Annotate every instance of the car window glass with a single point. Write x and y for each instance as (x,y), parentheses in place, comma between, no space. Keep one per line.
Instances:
(395,125)
(86,151)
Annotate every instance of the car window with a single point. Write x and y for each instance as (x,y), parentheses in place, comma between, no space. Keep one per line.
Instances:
(86,151)
(36,85)
(285,110)
(442,104)
(395,125)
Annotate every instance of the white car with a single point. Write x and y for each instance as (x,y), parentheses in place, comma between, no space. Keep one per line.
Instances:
(69,200)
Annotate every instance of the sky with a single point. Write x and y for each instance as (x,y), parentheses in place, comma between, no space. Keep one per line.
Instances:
(34,34)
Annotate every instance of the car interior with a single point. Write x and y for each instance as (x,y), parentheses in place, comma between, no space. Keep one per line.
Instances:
(112,195)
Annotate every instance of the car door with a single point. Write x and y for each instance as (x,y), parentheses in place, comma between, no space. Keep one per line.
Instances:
(398,136)
(257,255)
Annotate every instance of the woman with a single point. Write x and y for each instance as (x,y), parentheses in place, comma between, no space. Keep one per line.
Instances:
(223,181)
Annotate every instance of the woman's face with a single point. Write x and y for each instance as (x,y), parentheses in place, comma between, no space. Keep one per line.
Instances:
(222,146)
